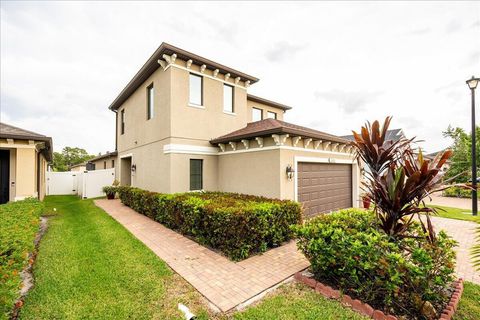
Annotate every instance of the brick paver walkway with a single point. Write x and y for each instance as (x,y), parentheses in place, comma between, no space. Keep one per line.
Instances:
(227,284)
(464,233)
(224,283)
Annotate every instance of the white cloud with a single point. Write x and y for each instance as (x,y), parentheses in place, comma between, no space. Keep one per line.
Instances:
(63,63)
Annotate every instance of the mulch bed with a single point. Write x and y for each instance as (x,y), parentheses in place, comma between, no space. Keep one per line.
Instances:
(365,308)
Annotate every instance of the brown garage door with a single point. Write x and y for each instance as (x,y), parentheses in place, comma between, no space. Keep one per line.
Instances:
(324,187)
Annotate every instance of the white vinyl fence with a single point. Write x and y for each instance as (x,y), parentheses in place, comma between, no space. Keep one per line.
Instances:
(86,184)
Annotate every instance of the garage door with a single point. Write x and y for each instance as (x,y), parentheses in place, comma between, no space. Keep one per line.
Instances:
(324,187)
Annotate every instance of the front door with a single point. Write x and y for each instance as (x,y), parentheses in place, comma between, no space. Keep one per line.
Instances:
(4,176)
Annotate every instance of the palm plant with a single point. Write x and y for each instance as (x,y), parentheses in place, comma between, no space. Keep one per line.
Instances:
(399,180)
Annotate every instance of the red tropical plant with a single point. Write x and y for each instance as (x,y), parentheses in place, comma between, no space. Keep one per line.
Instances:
(399,180)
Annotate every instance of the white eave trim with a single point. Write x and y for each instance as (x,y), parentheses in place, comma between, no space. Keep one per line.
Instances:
(189,149)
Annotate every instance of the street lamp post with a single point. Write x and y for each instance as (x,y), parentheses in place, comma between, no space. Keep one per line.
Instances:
(472,84)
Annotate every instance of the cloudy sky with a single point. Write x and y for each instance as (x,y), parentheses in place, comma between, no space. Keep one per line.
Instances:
(337,64)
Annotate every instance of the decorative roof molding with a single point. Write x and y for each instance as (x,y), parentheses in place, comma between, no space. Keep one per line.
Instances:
(326,144)
(227,76)
(246,143)
(202,68)
(237,80)
(259,141)
(317,144)
(215,73)
(222,146)
(307,142)
(295,140)
(172,53)
(280,139)
(189,63)
(233,145)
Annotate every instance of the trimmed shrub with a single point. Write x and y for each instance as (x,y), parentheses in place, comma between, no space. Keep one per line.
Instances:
(457,192)
(238,225)
(19,223)
(401,276)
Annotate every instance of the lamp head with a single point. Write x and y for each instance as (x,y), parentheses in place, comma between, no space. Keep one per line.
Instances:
(473,82)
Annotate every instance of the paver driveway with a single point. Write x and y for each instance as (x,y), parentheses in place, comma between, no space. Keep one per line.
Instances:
(464,233)
(224,283)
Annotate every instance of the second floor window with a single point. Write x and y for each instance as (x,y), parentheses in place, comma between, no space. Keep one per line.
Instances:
(196,92)
(257,114)
(122,121)
(150,104)
(227,98)
(271,115)
(113,163)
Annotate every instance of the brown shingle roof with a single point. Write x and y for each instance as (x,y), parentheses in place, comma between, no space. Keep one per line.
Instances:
(272,126)
(11,132)
(253,98)
(103,156)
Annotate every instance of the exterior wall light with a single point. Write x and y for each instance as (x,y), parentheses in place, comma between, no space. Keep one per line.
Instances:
(290,172)
(134,167)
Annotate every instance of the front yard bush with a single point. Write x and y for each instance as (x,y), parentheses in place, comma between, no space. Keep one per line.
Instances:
(457,192)
(405,276)
(237,225)
(19,223)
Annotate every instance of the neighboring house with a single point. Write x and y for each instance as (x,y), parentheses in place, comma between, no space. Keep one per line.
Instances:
(102,161)
(24,157)
(79,167)
(432,156)
(186,123)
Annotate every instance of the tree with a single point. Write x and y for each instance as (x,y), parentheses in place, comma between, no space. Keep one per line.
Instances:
(461,166)
(62,161)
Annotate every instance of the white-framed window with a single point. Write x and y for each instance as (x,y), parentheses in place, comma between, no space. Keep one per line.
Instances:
(271,115)
(196,90)
(150,95)
(257,114)
(228,98)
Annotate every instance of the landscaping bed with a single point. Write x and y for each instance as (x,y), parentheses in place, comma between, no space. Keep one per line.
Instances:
(19,224)
(457,192)
(407,276)
(237,225)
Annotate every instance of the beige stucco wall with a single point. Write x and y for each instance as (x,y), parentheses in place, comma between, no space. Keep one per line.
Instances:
(28,168)
(265,108)
(175,122)
(25,173)
(180,172)
(138,130)
(152,167)
(78,168)
(256,173)
(210,121)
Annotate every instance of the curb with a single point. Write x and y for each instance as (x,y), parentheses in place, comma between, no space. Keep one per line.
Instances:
(366,309)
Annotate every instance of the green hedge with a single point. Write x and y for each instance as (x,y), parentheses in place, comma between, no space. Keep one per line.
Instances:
(457,192)
(346,249)
(19,223)
(238,225)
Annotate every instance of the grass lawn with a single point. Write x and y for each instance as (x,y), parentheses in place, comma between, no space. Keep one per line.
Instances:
(455,213)
(469,307)
(296,301)
(90,267)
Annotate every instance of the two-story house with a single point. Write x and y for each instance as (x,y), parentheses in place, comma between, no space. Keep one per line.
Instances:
(186,123)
